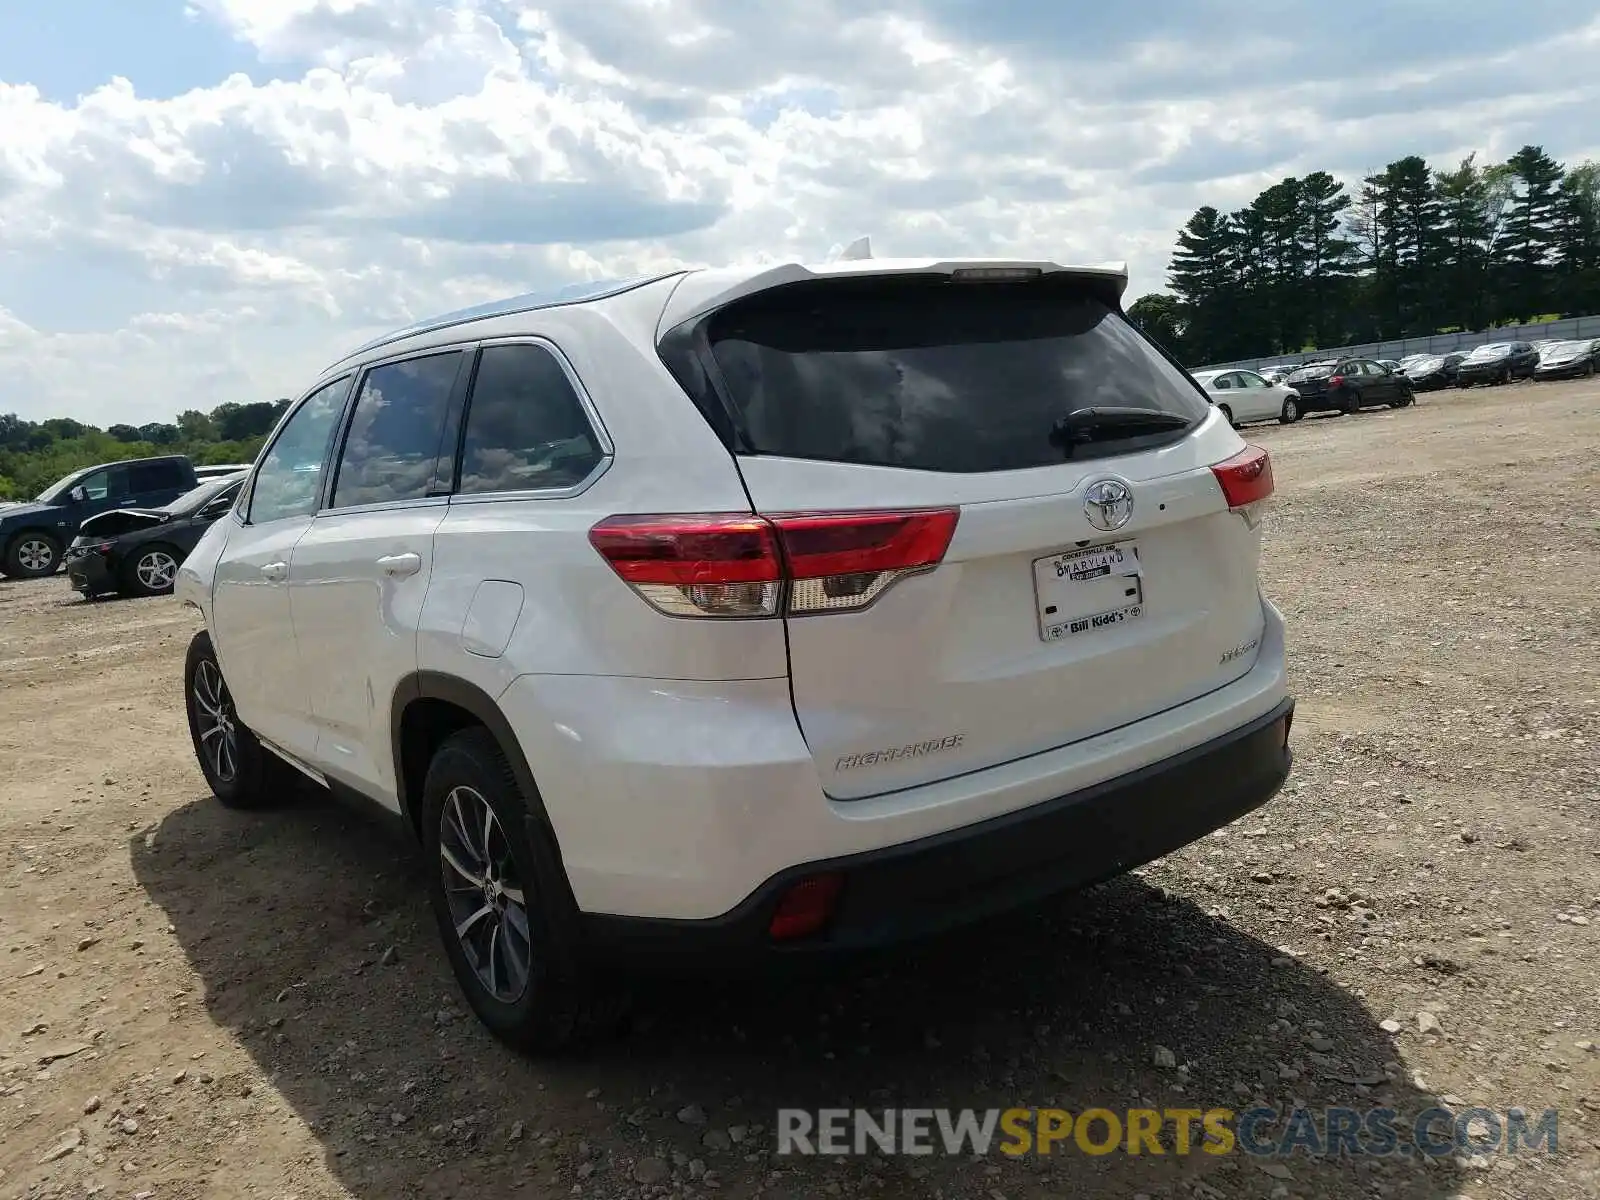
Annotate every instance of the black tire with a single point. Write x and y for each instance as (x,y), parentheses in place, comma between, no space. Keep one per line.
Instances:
(32,554)
(1291,411)
(1227,413)
(140,577)
(555,1004)
(257,778)
(1352,404)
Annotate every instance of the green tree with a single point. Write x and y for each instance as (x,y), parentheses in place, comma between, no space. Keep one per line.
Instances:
(1577,243)
(1202,277)
(1326,255)
(194,426)
(1531,233)
(1162,318)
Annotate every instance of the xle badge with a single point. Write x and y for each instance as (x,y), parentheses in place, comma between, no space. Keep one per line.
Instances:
(1238,652)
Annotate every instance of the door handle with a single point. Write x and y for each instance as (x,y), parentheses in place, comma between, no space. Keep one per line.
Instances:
(275,572)
(400,565)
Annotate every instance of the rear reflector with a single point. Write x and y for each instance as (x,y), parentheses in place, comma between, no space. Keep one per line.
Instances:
(806,908)
(1246,478)
(739,565)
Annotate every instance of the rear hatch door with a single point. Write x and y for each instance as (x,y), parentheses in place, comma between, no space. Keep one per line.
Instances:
(1090,582)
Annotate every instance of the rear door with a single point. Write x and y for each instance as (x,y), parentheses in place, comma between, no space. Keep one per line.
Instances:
(1257,399)
(155,484)
(360,573)
(1080,592)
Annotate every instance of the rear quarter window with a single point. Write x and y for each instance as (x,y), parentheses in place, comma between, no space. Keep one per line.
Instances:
(934,375)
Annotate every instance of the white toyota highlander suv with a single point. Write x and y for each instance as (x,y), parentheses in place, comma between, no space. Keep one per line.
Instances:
(782,609)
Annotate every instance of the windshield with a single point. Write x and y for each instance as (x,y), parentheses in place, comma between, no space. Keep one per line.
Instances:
(59,488)
(1495,351)
(197,498)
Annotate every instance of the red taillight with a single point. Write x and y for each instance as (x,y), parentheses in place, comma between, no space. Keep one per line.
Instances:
(733,565)
(1335,380)
(806,908)
(696,564)
(1246,478)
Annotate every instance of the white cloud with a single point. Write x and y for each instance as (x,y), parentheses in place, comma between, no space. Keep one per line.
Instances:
(391,158)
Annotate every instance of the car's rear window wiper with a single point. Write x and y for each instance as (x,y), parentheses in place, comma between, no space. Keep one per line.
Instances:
(1082,426)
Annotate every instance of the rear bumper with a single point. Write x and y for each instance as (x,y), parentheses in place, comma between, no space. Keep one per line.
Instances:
(920,888)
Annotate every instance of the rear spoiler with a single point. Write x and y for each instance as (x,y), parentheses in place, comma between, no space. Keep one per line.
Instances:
(701,292)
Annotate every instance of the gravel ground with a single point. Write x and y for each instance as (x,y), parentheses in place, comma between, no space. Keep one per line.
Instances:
(195,1002)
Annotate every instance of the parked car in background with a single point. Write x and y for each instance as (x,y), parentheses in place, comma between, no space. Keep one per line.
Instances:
(1566,360)
(1275,374)
(219,470)
(33,536)
(1429,372)
(1497,362)
(1393,365)
(561,583)
(137,551)
(1244,396)
(1348,385)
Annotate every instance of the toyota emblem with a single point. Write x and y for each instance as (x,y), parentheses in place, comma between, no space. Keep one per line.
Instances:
(1108,504)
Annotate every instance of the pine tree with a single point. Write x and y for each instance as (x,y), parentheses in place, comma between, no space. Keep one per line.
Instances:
(1577,245)
(1464,216)
(1202,277)
(1326,255)
(1531,231)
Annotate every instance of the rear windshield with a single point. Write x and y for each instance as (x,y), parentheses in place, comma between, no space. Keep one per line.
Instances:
(936,375)
(1320,371)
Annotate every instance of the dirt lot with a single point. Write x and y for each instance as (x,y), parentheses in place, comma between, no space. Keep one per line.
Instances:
(195,1002)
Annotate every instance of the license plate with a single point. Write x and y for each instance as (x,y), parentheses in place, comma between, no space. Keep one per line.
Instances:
(1089,589)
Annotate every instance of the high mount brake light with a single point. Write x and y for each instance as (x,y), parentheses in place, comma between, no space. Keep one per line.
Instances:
(1246,482)
(740,565)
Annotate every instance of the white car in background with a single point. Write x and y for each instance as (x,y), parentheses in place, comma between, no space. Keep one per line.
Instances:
(1244,396)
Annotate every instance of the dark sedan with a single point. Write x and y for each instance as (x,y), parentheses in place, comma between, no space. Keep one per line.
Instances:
(1429,372)
(1497,362)
(137,551)
(1568,360)
(1348,385)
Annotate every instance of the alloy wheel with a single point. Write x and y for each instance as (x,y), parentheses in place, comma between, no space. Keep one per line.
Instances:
(484,892)
(218,732)
(156,570)
(36,554)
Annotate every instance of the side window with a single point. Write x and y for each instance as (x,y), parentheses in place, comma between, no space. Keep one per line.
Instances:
(1250,379)
(288,482)
(96,486)
(155,477)
(1224,383)
(526,428)
(392,449)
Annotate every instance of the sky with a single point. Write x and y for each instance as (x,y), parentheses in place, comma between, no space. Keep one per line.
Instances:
(210,200)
